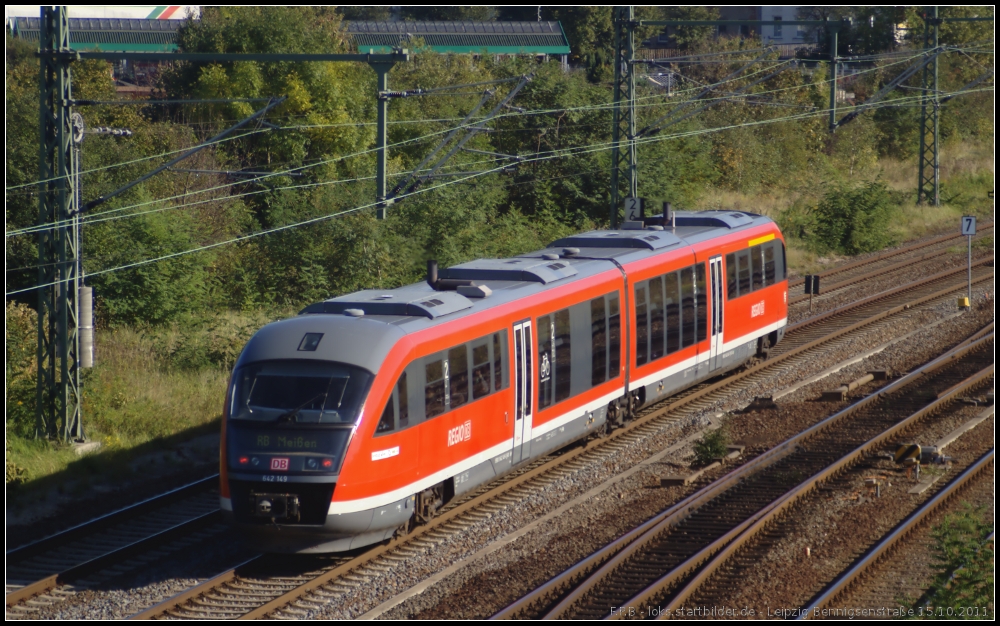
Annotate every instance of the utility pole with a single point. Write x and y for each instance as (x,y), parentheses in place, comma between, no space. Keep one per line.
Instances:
(624,159)
(623,162)
(929,175)
(57,396)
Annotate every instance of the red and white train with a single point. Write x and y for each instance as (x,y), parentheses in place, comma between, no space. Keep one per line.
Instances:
(367,412)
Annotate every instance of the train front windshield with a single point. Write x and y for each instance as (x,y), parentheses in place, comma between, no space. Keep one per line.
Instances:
(313,392)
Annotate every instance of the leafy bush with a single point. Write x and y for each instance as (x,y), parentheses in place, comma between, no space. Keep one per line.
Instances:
(854,220)
(711,446)
(21,337)
(213,342)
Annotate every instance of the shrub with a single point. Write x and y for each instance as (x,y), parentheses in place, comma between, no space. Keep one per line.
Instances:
(711,446)
(20,369)
(854,220)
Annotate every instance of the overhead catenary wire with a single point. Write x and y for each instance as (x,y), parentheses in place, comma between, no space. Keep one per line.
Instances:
(548,155)
(606,105)
(38,228)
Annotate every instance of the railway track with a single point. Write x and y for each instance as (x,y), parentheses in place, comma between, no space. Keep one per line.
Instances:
(251,591)
(638,571)
(882,263)
(77,553)
(861,574)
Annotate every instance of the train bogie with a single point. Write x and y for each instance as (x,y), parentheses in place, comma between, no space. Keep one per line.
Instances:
(368,412)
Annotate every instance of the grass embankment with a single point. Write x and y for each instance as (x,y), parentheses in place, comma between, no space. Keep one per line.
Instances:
(148,386)
(153,384)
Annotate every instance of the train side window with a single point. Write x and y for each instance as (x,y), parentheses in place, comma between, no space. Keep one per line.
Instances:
(598,342)
(396,405)
(673,313)
(404,407)
(501,372)
(564,360)
(743,261)
(458,375)
(657,322)
(779,273)
(546,360)
(481,368)
(435,368)
(701,301)
(687,307)
(641,326)
(614,337)
(768,265)
(731,285)
(757,262)
(387,423)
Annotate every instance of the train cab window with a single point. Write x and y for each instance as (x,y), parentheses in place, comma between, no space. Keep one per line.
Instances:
(768,265)
(657,323)
(757,263)
(434,389)
(458,376)
(598,342)
(743,260)
(731,284)
(614,336)
(641,326)
(546,361)
(480,369)
(687,307)
(673,304)
(701,301)
(564,360)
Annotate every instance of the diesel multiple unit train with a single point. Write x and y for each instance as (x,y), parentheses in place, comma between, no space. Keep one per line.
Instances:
(366,413)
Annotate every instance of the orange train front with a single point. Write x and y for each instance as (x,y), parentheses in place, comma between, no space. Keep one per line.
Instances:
(366,413)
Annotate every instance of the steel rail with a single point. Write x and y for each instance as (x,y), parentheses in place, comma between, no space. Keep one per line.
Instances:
(110,519)
(899,534)
(795,282)
(114,557)
(745,537)
(602,564)
(542,469)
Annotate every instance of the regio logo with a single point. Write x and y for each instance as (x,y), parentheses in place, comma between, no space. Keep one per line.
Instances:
(460,433)
(757,310)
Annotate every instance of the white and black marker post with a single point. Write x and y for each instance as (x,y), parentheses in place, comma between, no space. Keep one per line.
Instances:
(969,229)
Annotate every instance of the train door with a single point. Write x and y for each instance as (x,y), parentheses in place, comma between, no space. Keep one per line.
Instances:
(715,289)
(522,391)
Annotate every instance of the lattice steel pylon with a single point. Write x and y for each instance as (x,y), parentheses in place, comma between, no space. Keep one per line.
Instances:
(58,386)
(929,170)
(624,167)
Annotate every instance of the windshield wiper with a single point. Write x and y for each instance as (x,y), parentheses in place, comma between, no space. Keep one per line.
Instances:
(292,416)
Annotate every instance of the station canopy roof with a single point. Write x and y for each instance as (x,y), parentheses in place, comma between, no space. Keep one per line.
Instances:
(152,35)
(108,35)
(462,37)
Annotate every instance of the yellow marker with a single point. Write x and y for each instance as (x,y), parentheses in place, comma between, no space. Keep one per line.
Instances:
(758,240)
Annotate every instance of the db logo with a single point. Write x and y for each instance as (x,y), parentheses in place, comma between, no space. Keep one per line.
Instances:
(280,464)
(460,433)
(757,309)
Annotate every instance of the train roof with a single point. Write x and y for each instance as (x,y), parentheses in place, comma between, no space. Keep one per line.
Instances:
(413,308)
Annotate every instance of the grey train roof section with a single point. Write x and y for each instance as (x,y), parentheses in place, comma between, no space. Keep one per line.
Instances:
(364,325)
(418,306)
